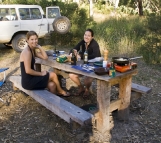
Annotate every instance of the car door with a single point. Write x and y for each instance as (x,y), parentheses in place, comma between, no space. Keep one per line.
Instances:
(9,24)
(51,14)
(32,19)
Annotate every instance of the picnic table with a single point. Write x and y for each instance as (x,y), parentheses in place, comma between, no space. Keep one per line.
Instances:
(104,84)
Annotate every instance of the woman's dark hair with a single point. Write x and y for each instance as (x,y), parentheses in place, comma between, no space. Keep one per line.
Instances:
(90,30)
(30,33)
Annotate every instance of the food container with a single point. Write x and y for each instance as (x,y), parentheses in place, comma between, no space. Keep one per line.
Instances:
(61,52)
(101,71)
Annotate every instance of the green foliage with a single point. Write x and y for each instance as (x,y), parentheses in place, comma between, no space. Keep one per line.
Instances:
(20,2)
(79,21)
(151,49)
(128,3)
(100,4)
(120,36)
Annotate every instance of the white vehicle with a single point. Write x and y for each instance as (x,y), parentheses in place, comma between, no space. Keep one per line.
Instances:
(17,20)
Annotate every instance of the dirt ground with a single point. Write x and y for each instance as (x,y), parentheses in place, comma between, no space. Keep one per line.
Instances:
(26,121)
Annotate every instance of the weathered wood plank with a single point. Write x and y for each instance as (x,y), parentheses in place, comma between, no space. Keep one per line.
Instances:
(38,67)
(115,104)
(67,67)
(124,95)
(60,72)
(140,88)
(57,105)
(103,99)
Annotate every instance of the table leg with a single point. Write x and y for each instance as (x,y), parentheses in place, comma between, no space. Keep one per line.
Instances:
(103,100)
(124,95)
(38,67)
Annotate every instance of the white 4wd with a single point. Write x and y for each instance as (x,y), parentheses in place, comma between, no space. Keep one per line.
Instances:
(17,20)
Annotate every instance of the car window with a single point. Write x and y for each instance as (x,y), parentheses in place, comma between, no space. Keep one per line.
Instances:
(24,13)
(53,12)
(8,14)
(29,13)
(35,13)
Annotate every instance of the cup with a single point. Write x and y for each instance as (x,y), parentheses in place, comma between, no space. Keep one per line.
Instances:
(79,63)
(61,52)
(104,64)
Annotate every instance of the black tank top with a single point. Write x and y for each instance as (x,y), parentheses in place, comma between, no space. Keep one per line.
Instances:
(31,81)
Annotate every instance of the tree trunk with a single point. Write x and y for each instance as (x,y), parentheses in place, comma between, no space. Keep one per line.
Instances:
(140,6)
(91,8)
(116,3)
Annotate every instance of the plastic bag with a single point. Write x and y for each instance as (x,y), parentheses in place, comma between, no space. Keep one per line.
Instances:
(62,59)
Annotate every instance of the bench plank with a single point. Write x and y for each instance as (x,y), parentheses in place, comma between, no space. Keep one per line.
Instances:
(140,88)
(57,105)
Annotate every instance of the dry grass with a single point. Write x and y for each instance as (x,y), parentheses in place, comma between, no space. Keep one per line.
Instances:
(25,120)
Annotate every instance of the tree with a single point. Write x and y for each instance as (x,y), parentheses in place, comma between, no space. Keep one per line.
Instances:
(140,6)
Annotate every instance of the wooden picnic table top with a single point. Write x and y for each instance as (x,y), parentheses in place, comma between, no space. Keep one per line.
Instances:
(67,67)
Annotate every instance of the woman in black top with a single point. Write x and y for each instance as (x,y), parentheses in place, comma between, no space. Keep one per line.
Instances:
(92,47)
(32,79)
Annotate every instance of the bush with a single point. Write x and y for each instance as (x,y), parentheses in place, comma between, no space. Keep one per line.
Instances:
(120,36)
(151,49)
(79,21)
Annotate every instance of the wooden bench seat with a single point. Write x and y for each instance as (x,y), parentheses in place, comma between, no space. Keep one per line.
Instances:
(138,90)
(64,109)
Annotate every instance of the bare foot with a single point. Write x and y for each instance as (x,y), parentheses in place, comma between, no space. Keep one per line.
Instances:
(86,94)
(80,91)
(63,93)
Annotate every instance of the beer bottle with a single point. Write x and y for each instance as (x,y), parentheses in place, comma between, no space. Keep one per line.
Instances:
(73,58)
(112,71)
(81,52)
(85,57)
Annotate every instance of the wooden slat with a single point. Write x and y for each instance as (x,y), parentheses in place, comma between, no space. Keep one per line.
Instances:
(124,95)
(57,105)
(38,67)
(102,122)
(140,88)
(115,104)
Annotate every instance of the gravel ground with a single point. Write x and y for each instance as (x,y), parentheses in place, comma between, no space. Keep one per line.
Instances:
(26,121)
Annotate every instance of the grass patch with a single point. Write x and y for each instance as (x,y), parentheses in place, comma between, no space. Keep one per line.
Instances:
(120,36)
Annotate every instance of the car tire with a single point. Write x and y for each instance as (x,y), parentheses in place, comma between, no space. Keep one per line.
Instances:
(61,25)
(19,42)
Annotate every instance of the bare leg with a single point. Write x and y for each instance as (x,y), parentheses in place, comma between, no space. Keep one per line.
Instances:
(53,77)
(75,79)
(52,87)
(87,83)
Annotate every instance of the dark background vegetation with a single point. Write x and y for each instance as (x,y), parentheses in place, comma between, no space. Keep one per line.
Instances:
(125,33)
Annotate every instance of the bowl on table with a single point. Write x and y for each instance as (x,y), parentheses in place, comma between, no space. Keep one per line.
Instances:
(61,52)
